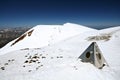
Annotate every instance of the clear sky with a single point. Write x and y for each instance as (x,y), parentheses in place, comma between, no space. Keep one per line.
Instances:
(91,13)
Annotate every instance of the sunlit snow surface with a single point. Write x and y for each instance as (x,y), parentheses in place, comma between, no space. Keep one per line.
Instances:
(57,58)
(44,35)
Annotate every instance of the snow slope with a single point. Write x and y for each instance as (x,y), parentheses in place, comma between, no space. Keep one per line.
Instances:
(60,61)
(43,35)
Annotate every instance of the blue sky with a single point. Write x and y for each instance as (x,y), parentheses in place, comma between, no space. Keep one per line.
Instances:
(91,13)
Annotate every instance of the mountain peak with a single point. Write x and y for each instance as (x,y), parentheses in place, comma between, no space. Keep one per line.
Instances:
(44,35)
(70,24)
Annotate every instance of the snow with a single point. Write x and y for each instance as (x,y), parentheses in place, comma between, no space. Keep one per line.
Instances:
(44,35)
(59,60)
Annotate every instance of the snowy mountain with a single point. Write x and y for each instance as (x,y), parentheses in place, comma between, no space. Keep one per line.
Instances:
(43,35)
(57,58)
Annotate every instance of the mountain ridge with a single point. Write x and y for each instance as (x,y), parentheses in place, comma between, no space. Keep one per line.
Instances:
(60,61)
(43,35)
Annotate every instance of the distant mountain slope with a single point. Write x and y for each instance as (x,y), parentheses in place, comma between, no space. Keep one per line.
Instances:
(44,35)
(105,34)
(60,61)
